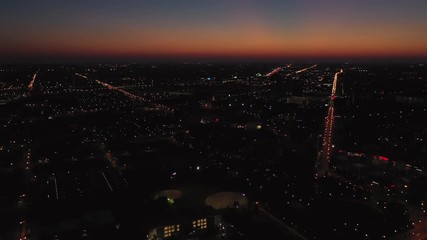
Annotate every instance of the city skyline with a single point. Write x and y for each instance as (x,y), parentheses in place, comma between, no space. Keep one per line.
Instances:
(202,119)
(147,30)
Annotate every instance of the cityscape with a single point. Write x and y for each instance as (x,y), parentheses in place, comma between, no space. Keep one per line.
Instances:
(114,149)
(208,130)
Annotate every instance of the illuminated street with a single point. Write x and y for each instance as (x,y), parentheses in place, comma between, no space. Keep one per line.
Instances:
(327,145)
(213,120)
(33,80)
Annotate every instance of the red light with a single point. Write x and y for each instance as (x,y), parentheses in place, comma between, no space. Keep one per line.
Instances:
(382,158)
(217,120)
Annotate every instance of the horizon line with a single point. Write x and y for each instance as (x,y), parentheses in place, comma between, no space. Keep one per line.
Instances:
(60,59)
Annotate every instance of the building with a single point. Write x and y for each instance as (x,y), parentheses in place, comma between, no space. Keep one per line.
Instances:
(195,212)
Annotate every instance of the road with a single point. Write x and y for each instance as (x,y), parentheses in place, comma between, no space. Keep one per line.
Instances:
(326,150)
(106,180)
(126,93)
(111,87)
(33,80)
(305,69)
(278,69)
(292,233)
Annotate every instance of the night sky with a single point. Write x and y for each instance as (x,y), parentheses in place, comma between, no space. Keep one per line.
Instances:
(210,29)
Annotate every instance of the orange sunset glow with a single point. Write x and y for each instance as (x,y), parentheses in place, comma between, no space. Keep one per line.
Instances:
(293,31)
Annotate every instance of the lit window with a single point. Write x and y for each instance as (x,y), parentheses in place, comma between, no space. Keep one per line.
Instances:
(169,230)
(200,223)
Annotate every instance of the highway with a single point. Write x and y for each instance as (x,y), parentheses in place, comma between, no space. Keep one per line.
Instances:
(33,80)
(275,71)
(111,87)
(306,69)
(278,69)
(126,93)
(326,150)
